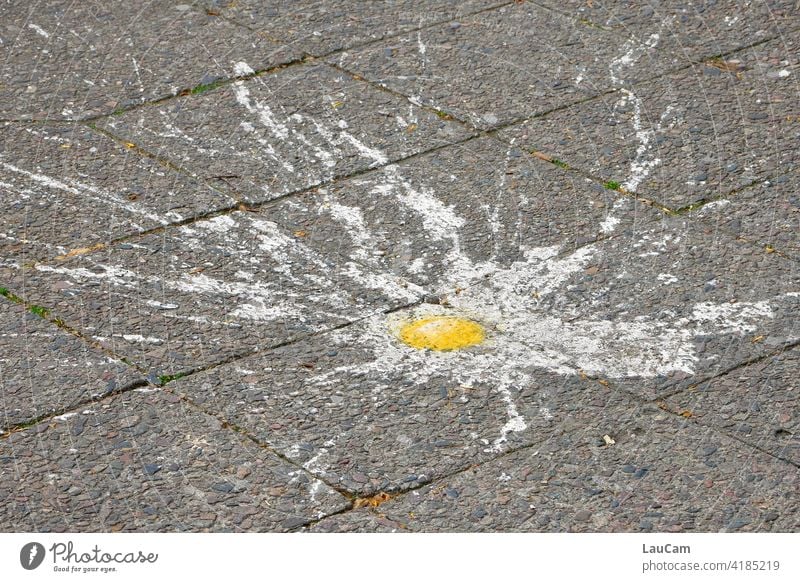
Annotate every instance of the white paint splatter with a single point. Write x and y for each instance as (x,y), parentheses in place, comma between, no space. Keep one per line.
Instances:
(39,30)
(159,305)
(142,339)
(89,192)
(138,75)
(667,279)
(64,417)
(609,224)
(262,110)
(378,157)
(242,69)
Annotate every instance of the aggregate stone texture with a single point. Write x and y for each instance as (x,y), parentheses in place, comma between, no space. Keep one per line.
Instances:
(653,313)
(447,218)
(318,28)
(284,131)
(197,294)
(145,461)
(44,369)
(362,520)
(76,60)
(692,28)
(693,135)
(768,214)
(362,410)
(659,475)
(67,188)
(508,64)
(757,403)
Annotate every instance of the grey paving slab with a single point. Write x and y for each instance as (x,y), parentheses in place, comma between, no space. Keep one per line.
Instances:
(66,60)
(447,218)
(696,134)
(693,28)
(767,213)
(657,476)
(145,461)
(508,64)
(362,520)
(756,403)
(285,131)
(194,295)
(66,187)
(44,369)
(320,27)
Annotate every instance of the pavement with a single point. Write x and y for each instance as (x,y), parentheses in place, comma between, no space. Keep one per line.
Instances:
(223,222)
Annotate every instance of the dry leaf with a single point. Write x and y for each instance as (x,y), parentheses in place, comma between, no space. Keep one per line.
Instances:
(373,501)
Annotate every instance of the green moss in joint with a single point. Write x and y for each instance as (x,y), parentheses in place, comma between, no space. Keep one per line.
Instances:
(612,185)
(39,310)
(206,87)
(167,378)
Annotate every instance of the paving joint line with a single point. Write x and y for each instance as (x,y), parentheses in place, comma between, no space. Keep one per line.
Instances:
(305,58)
(242,206)
(514,450)
(7,431)
(229,425)
(491,132)
(494,131)
(46,314)
(290,341)
(732,368)
(451,474)
(729,434)
(163,161)
(733,436)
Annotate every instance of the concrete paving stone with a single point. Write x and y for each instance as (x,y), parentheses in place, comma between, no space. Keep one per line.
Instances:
(447,218)
(767,213)
(659,475)
(651,314)
(693,28)
(44,369)
(362,520)
(318,28)
(757,403)
(146,461)
(66,187)
(696,134)
(196,294)
(508,64)
(285,131)
(76,60)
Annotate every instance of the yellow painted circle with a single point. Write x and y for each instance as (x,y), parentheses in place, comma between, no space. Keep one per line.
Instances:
(441,333)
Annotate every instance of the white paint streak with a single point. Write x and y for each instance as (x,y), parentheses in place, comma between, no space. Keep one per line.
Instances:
(39,30)
(241,69)
(262,110)
(378,157)
(142,339)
